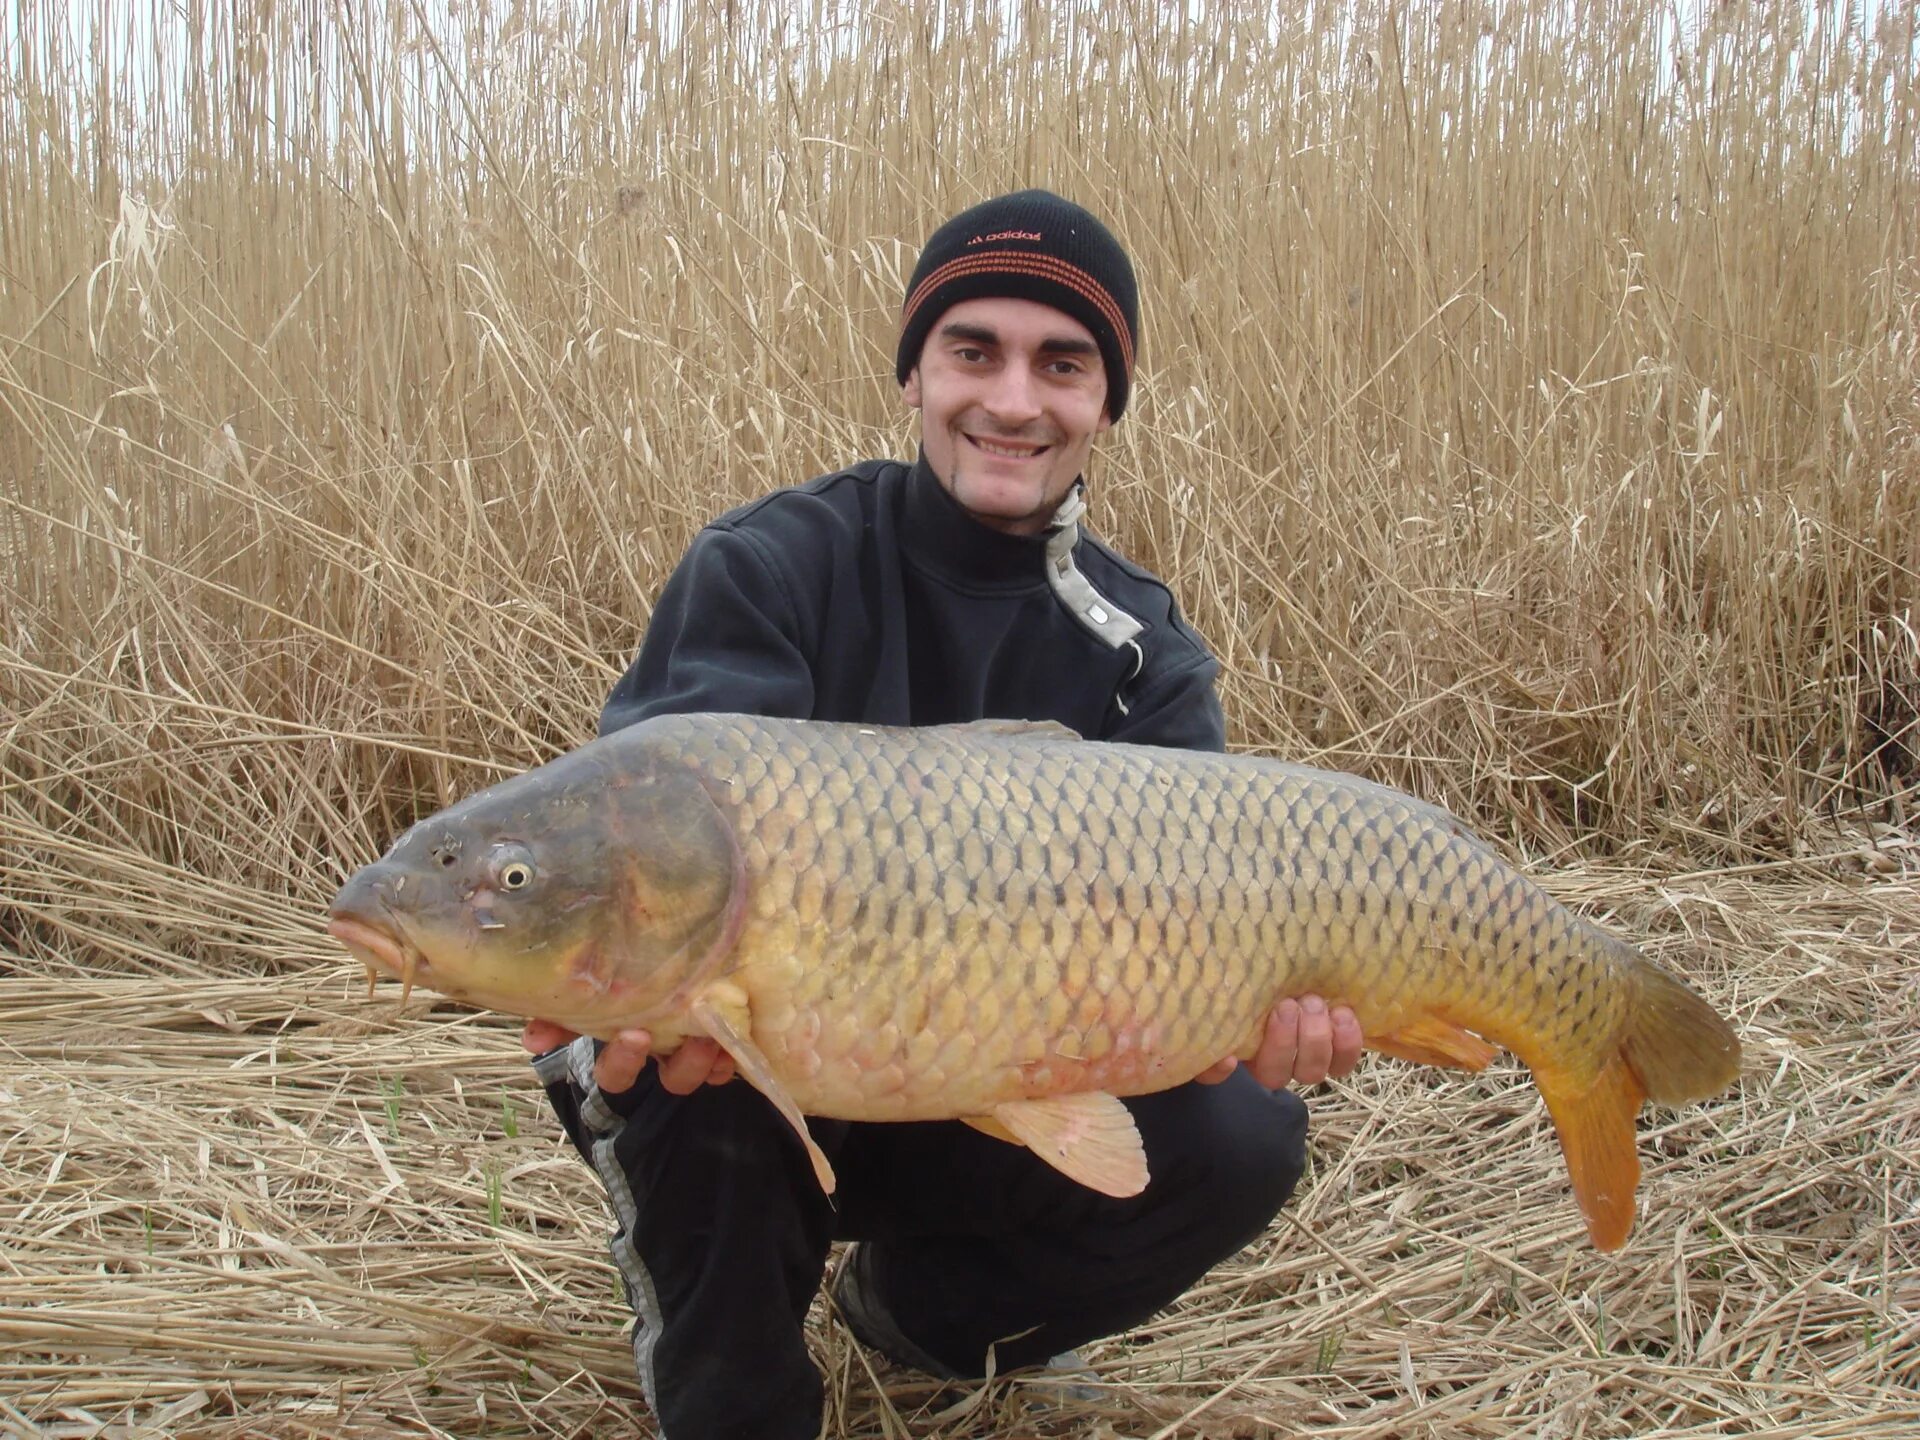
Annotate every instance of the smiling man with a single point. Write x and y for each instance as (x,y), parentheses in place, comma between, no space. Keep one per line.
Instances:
(1010,394)
(960,587)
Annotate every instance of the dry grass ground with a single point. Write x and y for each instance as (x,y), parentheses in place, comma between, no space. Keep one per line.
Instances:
(1529,414)
(274,1207)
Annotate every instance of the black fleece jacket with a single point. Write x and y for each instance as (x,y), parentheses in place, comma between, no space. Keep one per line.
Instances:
(869,595)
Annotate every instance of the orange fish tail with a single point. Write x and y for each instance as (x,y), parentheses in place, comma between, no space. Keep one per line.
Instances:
(1671,1047)
(1595,1122)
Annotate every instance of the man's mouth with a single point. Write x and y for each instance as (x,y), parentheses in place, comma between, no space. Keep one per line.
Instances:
(1007,449)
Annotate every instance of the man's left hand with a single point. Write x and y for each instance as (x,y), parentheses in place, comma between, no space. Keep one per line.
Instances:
(1304,1043)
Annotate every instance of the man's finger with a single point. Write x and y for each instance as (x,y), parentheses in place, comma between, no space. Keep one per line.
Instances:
(1347,1042)
(621,1060)
(722,1070)
(686,1070)
(540,1036)
(1218,1071)
(1315,1057)
(1273,1066)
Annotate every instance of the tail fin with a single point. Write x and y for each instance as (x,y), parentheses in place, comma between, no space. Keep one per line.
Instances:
(1595,1122)
(1673,1048)
(1676,1043)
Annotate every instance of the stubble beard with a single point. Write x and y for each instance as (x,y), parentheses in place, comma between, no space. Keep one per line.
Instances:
(970,465)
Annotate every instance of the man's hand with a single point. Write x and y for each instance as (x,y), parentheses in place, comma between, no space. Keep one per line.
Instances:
(699,1061)
(1305,1043)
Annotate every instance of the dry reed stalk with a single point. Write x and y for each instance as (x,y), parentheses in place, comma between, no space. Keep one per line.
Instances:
(1508,439)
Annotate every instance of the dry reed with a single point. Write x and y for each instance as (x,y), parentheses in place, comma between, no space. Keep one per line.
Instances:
(1530,416)
(244,1206)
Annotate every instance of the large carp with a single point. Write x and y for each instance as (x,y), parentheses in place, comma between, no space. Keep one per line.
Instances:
(1002,923)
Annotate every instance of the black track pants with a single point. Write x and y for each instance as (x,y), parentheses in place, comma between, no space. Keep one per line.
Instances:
(722,1233)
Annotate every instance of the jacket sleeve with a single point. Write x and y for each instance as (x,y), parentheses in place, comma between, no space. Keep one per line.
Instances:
(726,635)
(1179,709)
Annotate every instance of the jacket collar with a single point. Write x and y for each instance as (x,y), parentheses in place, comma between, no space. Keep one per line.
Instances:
(944,540)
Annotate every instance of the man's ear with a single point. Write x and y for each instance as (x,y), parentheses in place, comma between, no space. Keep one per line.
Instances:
(910,392)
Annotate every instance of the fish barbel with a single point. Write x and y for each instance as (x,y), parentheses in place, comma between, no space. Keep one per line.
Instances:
(1002,923)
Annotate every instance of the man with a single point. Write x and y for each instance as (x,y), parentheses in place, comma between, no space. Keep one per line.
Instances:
(958,588)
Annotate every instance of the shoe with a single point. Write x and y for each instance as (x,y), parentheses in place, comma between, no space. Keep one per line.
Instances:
(1064,1380)
(871,1322)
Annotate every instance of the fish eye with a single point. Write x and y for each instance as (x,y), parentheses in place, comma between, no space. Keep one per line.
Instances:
(512,867)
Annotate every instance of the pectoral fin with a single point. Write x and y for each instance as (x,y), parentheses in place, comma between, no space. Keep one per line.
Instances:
(1429,1040)
(721,1010)
(1089,1137)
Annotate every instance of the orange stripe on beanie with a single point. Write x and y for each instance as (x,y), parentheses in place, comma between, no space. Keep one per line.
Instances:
(1032,245)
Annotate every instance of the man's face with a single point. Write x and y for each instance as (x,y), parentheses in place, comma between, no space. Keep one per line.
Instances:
(1010,395)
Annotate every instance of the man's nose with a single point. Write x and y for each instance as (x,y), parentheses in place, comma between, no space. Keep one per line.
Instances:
(1014,398)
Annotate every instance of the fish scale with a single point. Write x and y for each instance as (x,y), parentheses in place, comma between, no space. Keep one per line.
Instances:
(1002,923)
(1234,908)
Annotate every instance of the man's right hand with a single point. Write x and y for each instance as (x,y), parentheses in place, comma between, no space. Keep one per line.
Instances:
(1304,1043)
(699,1061)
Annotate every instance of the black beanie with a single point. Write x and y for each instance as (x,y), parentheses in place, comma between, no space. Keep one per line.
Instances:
(1031,246)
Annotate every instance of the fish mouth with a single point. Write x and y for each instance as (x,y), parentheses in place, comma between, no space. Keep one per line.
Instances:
(378,950)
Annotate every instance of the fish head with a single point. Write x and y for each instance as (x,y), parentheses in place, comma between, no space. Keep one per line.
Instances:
(593,891)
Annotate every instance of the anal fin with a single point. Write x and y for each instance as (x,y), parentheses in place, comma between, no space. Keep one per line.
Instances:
(721,1010)
(1089,1137)
(1429,1040)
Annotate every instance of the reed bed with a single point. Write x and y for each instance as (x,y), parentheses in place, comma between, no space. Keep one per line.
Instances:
(1529,415)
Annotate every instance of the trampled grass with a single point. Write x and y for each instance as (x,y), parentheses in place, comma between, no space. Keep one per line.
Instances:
(1528,416)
